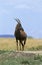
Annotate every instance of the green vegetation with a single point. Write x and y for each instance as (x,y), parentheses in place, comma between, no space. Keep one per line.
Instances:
(35,48)
(2,51)
(11,58)
(30,37)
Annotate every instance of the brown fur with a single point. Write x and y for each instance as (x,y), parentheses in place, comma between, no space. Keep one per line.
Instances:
(20,35)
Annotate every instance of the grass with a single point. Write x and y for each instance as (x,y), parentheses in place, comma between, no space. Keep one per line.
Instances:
(33,44)
(7,44)
(35,48)
(10,44)
(10,58)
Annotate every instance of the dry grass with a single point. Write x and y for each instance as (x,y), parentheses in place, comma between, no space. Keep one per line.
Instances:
(7,44)
(33,43)
(10,44)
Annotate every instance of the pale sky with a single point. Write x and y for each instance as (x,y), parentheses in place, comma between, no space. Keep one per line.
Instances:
(28,11)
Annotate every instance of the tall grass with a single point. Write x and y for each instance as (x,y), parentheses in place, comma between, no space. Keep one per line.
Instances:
(10,44)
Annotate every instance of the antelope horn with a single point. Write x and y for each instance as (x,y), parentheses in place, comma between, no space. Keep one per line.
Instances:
(17,20)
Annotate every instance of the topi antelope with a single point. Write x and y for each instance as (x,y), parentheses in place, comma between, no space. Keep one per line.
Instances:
(20,35)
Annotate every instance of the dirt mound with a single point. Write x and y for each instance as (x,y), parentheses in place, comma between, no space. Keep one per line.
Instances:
(20,54)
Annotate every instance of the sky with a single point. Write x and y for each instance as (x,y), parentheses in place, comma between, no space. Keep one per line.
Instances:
(28,11)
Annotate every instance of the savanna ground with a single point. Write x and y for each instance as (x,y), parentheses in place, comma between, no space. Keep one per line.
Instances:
(18,58)
(9,56)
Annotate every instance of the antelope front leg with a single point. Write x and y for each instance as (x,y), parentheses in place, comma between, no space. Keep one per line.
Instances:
(20,45)
(17,44)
